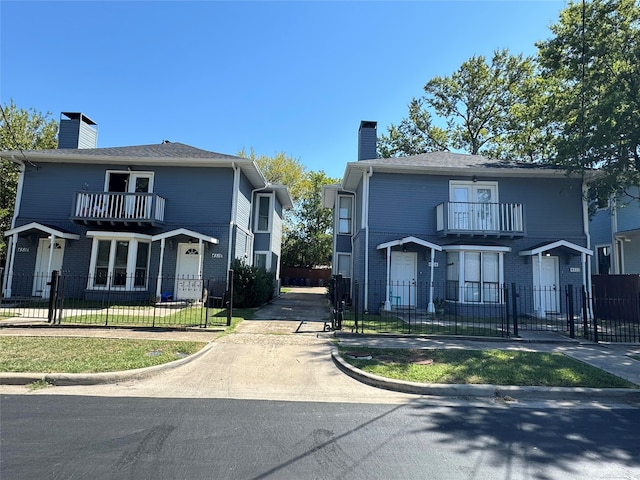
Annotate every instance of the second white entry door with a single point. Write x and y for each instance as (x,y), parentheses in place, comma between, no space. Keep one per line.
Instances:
(403,279)
(188,272)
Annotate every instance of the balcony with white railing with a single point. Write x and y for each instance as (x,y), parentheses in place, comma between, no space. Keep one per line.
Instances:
(117,208)
(480,219)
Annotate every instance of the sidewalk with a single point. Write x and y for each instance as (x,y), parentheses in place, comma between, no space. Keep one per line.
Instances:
(292,327)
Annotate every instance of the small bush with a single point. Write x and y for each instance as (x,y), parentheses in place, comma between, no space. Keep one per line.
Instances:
(252,286)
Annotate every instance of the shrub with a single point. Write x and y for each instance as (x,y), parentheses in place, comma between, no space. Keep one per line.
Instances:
(252,286)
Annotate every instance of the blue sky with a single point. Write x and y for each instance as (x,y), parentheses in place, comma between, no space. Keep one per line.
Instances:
(285,76)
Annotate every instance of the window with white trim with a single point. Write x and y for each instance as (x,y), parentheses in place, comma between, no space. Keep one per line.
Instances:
(474,276)
(260,260)
(263,213)
(345,214)
(121,263)
(343,265)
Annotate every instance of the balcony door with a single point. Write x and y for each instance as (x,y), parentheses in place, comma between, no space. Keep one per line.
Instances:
(131,206)
(473,206)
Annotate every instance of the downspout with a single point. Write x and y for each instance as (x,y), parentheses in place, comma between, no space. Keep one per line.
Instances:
(616,250)
(365,216)
(586,272)
(11,252)
(16,209)
(234,209)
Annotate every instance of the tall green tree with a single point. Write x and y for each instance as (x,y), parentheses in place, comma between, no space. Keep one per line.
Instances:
(307,228)
(591,68)
(471,110)
(308,240)
(20,129)
(280,169)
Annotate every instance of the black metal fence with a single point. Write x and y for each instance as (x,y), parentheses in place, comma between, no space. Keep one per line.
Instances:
(479,310)
(121,300)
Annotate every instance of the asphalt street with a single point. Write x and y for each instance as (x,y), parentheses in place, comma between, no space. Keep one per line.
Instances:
(65,437)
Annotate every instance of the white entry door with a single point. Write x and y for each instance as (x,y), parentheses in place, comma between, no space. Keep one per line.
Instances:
(546,286)
(188,277)
(404,267)
(42,273)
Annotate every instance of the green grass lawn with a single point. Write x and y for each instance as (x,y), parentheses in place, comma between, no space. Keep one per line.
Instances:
(372,323)
(495,367)
(87,355)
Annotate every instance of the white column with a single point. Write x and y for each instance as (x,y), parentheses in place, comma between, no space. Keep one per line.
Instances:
(8,274)
(52,247)
(387,303)
(200,259)
(541,312)
(159,280)
(431,307)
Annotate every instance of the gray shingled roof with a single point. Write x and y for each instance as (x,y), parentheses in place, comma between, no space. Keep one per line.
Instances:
(453,160)
(447,163)
(160,150)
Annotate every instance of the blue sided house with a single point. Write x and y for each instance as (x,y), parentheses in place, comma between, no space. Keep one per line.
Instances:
(452,228)
(153,220)
(615,232)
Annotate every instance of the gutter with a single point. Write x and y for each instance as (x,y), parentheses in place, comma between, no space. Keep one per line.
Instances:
(19,187)
(365,217)
(234,209)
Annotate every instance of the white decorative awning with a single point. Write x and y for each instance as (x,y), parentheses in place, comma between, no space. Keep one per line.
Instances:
(43,228)
(186,232)
(550,246)
(410,239)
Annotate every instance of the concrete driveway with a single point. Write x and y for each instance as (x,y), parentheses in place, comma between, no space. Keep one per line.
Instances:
(283,354)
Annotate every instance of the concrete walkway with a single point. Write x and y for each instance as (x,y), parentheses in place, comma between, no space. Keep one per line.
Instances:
(285,354)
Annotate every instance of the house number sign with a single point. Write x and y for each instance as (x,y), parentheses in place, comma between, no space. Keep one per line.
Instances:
(216,255)
(23,249)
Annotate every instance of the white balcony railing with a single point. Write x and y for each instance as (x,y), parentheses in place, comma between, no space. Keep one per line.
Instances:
(480,218)
(119,207)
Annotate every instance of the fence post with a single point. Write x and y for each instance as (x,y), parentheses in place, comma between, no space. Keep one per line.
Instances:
(514,297)
(572,332)
(230,298)
(53,293)
(356,299)
(206,305)
(506,310)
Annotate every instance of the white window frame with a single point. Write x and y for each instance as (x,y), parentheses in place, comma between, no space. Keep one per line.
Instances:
(133,239)
(267,262)
(132,174)
(337,265)
(339,217)
(462,250)
(257,213)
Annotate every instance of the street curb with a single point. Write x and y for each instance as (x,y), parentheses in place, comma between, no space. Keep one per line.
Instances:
(68,379)
(504,392)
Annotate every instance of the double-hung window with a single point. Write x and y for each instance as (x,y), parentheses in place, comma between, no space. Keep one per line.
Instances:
(345,214)
(261,260)
(475,276)
(263,213)
(344,265)
(119,260)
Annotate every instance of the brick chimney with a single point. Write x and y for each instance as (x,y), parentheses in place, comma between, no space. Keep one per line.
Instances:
(77,131)
(367,140)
